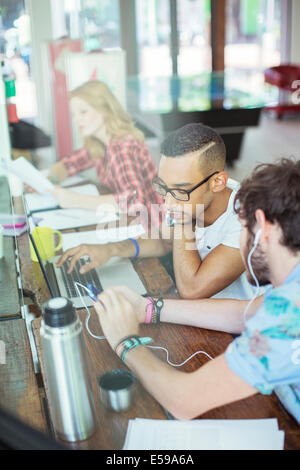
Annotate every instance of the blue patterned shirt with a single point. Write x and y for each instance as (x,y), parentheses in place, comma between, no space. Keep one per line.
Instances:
(267,354)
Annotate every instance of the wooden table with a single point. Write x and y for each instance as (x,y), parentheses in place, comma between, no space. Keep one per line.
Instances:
(19,392)
(181,342)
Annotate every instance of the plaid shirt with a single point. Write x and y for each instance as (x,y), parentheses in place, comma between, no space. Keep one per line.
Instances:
(126,170)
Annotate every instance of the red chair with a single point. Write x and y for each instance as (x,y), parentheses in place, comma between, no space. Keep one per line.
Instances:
(284,77)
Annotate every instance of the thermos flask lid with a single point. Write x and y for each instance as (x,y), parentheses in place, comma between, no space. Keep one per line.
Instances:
(59,312)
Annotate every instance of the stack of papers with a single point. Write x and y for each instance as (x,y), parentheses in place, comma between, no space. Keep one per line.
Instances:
(13,225)
(147,434)
(102,237)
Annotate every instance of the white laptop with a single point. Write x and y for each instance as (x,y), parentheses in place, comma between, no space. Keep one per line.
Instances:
(116,272)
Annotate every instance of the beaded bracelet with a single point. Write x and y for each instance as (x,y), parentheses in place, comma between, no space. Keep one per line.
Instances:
(129,343)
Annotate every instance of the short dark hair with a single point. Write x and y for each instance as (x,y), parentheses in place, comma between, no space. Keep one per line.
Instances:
(192,138)
(275,189)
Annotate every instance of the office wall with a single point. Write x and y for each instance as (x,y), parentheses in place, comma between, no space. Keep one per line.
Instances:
(295,32)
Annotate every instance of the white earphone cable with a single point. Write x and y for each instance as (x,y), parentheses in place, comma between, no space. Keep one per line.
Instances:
(254,277)
(87,310)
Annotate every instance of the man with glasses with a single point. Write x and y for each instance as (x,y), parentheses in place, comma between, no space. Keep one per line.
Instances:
(199,205)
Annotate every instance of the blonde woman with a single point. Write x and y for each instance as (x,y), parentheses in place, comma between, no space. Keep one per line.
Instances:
(115,147)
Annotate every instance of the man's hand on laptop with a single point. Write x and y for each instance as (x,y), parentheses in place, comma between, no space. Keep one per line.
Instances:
(98,255)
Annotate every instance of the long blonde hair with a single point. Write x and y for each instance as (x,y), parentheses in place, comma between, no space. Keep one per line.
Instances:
(118,123)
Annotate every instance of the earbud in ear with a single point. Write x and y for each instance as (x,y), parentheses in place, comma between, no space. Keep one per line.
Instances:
(257,237)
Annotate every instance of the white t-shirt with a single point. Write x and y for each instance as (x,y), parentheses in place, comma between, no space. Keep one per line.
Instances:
(226,231)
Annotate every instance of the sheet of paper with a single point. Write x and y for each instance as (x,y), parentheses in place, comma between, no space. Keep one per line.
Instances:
(24,170)
(203,435)
(63,219)
(102,237)
(266,424)
(171,437)
(251,439)
(39,202)
(114,235)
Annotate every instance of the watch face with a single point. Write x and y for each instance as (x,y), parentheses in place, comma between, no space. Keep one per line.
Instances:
(159,303)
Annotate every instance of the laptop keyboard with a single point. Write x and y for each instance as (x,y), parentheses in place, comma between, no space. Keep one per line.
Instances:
(69,279)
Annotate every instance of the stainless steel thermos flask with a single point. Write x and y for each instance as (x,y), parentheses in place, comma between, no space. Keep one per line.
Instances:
(71,400)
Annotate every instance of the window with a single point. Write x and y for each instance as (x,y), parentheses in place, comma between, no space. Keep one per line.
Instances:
(156,40)
(253,40)
(97,22)
(153,37)
(253,34)
(193,20)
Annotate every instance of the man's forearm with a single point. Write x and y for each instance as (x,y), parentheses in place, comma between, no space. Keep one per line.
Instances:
(214,314)
(147,248)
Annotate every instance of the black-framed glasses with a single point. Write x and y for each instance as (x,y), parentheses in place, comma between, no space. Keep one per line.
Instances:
(179,194)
